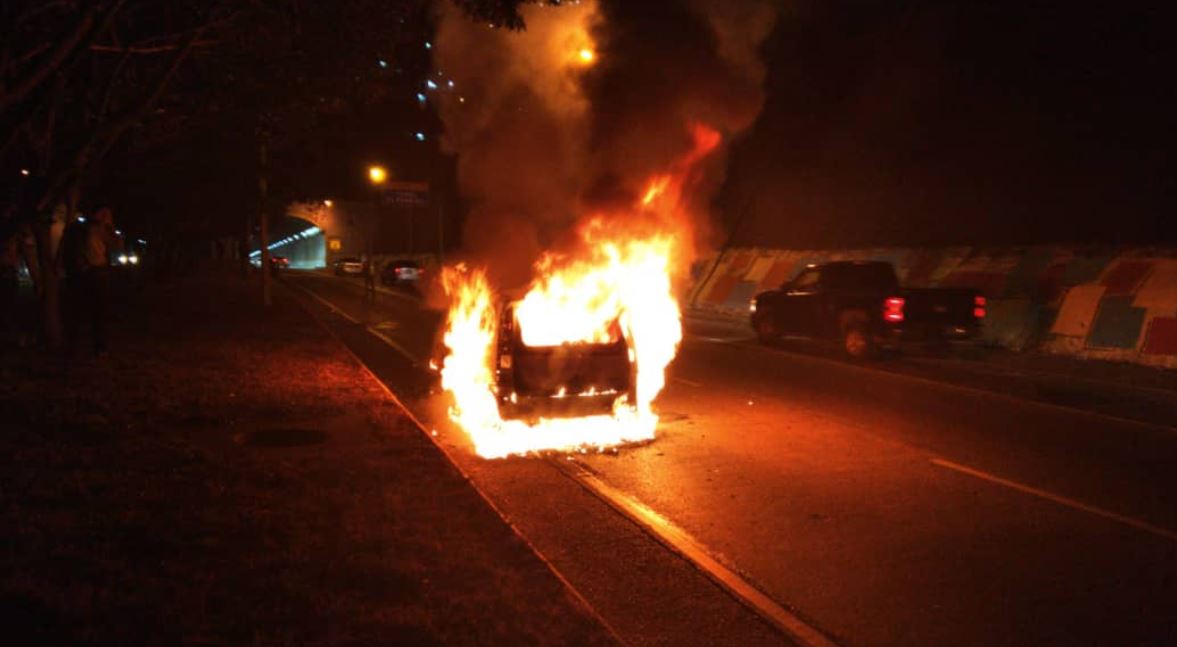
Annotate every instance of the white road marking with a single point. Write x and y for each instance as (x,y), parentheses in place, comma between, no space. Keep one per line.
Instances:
(682,542)
(379,335)
(687,382)
(395,345)
(882,370)
(331,306)
(1061,500)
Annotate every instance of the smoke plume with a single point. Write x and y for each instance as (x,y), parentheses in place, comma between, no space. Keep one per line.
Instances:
(583,106)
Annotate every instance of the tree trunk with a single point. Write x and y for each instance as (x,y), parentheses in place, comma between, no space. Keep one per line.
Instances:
(48,232)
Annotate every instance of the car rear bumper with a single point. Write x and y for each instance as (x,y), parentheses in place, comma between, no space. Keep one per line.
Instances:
(928,333)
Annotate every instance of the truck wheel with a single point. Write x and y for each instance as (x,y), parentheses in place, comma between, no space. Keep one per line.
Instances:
(766,333)
(857,342)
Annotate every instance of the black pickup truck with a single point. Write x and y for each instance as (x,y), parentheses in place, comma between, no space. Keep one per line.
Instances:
(861,305)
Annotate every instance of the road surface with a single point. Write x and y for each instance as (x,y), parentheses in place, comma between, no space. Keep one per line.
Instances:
(874,506)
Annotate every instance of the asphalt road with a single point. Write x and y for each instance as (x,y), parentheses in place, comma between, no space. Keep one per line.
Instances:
(882,508)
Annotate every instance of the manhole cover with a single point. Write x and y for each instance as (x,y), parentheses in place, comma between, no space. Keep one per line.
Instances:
(284,438)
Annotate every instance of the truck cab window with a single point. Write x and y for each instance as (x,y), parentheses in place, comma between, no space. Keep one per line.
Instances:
(806,281)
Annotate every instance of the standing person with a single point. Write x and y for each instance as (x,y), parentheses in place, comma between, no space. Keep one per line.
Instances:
(369,277)
(87,247)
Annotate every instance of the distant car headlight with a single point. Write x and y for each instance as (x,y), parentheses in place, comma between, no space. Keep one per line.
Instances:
(122,259)
(133,259)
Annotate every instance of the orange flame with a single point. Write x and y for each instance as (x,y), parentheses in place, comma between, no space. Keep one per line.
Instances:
(621,274)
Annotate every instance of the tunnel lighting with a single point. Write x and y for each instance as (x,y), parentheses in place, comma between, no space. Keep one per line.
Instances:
(377,174)
(420,136)
(118,232)
(382,63)
(428,45)
(450,83)
(24,172)
(461,99)
(431,85)
(142,242)
(420,97)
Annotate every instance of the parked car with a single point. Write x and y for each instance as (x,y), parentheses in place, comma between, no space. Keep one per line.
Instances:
(861,305)
(348,266)
(403,273)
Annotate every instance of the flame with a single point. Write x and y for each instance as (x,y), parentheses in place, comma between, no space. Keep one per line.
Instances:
(618,283)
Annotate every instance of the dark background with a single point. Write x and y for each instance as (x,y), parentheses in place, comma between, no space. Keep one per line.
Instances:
(960,122)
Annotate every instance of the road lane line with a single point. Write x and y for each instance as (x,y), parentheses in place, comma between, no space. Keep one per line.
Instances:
(685,545)
(1061,500)
(687,382)
(330,305)
(395,345)
(880,370)
(379,335)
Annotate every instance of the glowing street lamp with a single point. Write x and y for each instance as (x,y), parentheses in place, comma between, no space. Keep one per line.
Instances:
(586,55)
(377,174)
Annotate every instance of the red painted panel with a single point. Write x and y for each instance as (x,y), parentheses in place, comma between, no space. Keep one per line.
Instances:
(1161,338)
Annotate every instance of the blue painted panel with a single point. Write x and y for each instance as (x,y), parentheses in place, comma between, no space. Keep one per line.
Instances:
(742,293)
(1117,324)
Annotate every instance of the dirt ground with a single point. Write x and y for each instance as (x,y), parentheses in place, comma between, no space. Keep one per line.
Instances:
(229,474)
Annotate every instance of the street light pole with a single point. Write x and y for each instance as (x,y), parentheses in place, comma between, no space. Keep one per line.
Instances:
(377,175)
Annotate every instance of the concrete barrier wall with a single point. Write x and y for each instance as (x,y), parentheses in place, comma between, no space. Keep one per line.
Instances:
(1103,303)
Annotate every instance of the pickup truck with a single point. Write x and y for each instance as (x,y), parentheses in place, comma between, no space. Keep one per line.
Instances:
(860,305)
(571,379)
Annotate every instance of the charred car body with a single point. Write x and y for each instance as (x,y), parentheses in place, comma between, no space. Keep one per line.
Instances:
(571,379)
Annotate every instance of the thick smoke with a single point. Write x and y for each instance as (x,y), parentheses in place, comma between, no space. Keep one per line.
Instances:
(543,133)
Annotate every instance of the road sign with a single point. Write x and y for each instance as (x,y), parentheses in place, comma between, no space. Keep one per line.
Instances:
(413,194)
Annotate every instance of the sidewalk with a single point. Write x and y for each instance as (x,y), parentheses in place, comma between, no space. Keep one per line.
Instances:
(230,474)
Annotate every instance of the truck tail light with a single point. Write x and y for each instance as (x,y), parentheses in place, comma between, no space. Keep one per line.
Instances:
(979,307)
(893,309)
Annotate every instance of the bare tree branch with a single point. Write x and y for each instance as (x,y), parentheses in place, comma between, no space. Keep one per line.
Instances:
(157,49)
(94,21)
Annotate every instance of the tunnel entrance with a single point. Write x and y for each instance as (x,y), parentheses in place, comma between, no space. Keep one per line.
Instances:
(299,240)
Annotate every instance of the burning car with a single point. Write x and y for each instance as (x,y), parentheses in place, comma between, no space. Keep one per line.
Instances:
(568,379)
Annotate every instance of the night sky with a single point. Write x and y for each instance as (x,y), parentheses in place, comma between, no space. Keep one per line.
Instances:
(960,122)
